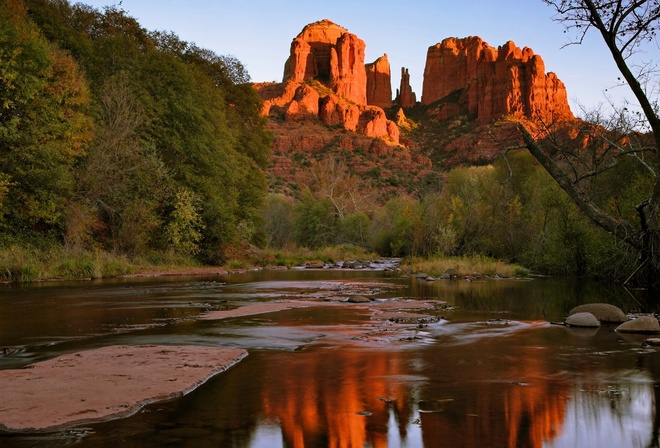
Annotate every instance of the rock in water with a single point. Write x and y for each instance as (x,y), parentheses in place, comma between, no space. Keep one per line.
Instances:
(604,312)
(582,320)
(358,299)
(643,324)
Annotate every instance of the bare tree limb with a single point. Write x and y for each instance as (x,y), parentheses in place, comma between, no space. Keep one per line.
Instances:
(620,229)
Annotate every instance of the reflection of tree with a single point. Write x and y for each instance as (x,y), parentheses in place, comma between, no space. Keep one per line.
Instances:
(548,299)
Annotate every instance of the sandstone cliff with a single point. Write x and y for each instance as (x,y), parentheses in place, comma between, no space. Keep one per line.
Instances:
(379,83)
(331,105)
(329,53)
(469,76)
(325,77)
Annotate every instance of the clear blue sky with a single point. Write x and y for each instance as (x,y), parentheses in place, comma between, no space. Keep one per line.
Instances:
(259,34)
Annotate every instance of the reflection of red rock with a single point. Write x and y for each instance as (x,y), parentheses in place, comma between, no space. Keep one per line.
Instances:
(473,77)
(507,403)
(315,412)
(379,83)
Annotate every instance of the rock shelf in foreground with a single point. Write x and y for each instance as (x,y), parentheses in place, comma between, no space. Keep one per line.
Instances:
(105,383)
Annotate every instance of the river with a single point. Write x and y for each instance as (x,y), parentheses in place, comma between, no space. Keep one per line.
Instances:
(489,370)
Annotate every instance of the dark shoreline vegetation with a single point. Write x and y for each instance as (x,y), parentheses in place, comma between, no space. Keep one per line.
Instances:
(125,150)
(20,266)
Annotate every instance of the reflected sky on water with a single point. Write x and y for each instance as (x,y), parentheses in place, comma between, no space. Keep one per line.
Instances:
(492,371)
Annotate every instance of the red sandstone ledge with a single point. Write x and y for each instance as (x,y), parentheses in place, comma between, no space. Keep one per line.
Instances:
(104,384)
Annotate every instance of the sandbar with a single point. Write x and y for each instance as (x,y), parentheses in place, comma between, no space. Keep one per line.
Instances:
(105,383)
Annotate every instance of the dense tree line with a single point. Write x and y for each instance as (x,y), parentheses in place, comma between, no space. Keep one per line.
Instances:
(116,138)
(510,210)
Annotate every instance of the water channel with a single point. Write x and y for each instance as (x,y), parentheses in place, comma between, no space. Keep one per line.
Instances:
(492,371)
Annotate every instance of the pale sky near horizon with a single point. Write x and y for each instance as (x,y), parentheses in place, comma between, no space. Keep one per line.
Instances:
(259,34)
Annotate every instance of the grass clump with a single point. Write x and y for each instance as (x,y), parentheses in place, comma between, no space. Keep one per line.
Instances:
(296,256)
(465,266)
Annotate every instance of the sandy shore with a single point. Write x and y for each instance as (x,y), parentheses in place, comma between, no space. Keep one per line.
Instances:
(105,383)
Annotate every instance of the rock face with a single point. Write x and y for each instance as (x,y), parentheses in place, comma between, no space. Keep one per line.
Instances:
(329,53)
(405,97)
(379,83)
(325,78)
(472,77)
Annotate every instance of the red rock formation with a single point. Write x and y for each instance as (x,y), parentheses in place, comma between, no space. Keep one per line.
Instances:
(305,103)
(329,53)
(473,77)
(335,111)
(379,83)
(405,97)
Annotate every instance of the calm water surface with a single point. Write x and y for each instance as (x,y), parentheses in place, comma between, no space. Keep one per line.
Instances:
(493,372)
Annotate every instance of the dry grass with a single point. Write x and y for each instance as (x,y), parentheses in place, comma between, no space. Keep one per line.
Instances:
(465,266)
(295,256)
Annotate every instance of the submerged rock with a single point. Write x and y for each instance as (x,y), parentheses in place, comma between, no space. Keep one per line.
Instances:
(358,299)
(105,383)
(643,324)
(604,312)
(582,320)
(651,342)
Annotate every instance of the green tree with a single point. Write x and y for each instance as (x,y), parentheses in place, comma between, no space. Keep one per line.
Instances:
(44,126)
(625,28)
(316,223)
(393,227)
(278,215)
(184,230)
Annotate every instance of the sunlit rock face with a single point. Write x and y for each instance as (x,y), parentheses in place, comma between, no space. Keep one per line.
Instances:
(405,96)
(379,83)
(330,54)
(470,76)
(325,79)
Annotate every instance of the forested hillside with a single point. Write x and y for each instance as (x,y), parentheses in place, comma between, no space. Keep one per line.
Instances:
(120,139)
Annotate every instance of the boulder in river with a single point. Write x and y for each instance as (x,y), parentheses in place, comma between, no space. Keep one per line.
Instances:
(642,324)
(604,312)
(582,320)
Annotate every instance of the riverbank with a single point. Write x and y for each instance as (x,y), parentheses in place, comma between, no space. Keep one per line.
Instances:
(26,265)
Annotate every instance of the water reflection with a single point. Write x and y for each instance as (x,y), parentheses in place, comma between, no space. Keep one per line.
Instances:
(311,381)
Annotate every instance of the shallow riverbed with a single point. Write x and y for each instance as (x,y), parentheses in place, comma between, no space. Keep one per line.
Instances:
(481,365)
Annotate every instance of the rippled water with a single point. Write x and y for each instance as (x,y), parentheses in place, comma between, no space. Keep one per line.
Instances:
(492,371)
